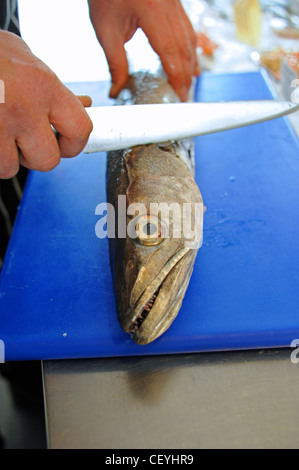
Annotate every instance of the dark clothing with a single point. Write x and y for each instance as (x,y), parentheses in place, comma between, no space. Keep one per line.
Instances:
(9,18)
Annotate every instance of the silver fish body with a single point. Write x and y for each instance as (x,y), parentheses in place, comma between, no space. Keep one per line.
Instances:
(153,192)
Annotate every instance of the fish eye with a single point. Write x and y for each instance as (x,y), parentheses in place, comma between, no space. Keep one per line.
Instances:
(150,230)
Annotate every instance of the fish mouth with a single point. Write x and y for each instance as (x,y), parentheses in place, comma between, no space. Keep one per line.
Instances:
(161,300)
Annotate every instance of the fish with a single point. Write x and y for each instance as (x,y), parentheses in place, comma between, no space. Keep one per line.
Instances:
(149,187)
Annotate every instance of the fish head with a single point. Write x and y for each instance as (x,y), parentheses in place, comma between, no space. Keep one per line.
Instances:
(154,263)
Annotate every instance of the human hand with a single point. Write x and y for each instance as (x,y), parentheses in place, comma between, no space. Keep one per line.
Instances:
(167,27)
(35,99)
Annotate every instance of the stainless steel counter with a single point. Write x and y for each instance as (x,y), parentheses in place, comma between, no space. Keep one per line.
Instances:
(246,399)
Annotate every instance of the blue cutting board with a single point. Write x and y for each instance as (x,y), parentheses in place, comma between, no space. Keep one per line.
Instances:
(56,298)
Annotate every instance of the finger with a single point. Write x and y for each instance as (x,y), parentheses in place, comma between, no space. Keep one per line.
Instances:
(197,68)
(173,42)
(164,44)
(191,38)
(38,148)
(185,38)
(85,100)
(112,43)
(9,158)
(71,121)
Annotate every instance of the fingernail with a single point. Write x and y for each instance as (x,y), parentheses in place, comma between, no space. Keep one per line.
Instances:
(185,93)
(113,91)
(197,71)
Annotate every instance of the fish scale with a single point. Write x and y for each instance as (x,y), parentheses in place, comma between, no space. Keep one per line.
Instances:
(151,273)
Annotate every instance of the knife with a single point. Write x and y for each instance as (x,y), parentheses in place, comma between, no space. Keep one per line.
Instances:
(120,127)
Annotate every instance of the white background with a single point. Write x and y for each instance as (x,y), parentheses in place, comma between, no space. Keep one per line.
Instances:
(60,33)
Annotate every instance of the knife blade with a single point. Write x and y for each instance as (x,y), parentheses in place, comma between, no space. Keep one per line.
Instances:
(120,127)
